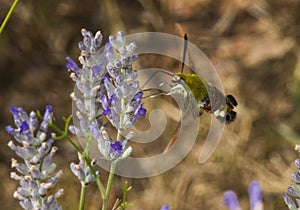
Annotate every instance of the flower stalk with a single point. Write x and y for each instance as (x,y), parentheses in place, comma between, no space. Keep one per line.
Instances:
(5,21)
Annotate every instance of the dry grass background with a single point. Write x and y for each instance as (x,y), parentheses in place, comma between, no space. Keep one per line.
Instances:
(254,47)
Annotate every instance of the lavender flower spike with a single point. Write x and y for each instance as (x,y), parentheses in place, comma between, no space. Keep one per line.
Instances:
(121,84)
(36,173)
(106,87)
(87,78)
(120,98)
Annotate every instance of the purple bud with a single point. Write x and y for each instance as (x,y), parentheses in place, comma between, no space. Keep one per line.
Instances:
(293,191)
(46,119)
(96,70)
(296,177)
(10,130)
(87,38)
(77,171)
(24,127)
(289,202)
(105,105)
(15,110)
(25,203)
(297,163)
(255,194)
(81,46)
(24,191)
(106,79)
(231,201)
(113,98)
(95,130)
(22,168)
(48,109)
(71,65)
(108,48)
(138,97)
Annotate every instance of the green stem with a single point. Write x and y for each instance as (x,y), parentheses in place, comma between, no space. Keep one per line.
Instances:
(109,184)
(82,196)
(88,143)
(64,135)
(114,162)
(87,160)
(126,189)
(8,15)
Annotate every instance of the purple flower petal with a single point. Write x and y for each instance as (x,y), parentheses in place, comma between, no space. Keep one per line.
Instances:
(71,65)
(10,130)
(15,110)
(116,148)
(48,113)
(96,70)
(140,112)
(105,105)
(112,99)
(47,118)
(24,127)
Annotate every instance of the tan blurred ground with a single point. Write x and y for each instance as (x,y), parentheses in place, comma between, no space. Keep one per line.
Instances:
(254,47)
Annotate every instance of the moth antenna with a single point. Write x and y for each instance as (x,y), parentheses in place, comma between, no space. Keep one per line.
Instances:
(170,74)
(157,94)
(185,43)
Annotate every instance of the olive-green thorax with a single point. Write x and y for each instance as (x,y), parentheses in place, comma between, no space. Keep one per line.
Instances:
(210,98)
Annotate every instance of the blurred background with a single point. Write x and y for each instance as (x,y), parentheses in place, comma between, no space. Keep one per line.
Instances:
(252,43)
